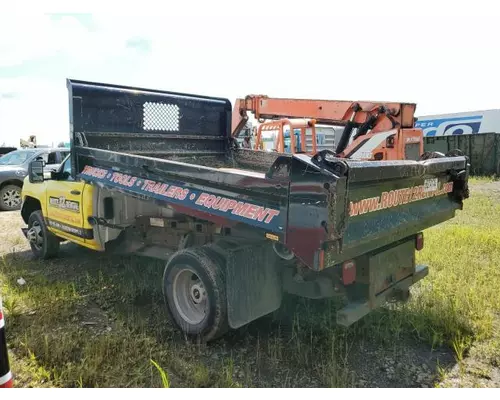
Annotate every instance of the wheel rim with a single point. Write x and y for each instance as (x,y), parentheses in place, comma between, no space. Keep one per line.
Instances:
(11,198)
(35,235)
(190,297)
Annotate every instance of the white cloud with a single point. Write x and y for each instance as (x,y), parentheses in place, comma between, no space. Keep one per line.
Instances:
(32,37)
(24,38)
(442,64)
(37,103)
(38,108)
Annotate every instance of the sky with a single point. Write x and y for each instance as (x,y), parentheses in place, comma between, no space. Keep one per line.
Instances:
(442,61)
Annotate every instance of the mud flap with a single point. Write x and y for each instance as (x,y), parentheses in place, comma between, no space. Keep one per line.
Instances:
(253,284)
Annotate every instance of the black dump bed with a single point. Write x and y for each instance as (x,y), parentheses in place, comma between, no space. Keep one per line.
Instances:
(176,149)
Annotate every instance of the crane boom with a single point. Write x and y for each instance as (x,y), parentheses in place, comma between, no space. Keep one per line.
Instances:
(382,130)
(327,112)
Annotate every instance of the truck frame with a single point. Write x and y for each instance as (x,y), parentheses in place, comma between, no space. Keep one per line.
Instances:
(158,174)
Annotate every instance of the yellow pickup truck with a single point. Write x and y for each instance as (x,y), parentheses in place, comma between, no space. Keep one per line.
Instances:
(158,174)
(55,210)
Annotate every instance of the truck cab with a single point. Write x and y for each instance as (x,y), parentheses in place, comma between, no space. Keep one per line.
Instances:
(59,201)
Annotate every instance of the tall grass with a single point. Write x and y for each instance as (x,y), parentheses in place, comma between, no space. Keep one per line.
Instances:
(163,374)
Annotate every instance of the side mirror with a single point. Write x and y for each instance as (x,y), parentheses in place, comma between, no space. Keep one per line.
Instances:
(35,171)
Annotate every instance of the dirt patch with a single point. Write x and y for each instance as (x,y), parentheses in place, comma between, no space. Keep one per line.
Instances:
(406,364)
(490,189)
(11,238)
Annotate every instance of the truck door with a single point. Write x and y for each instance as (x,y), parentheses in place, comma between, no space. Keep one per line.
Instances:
(65,211)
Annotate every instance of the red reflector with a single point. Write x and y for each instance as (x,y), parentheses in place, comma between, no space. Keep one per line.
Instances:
(348,272)
(321,259)
(419,242)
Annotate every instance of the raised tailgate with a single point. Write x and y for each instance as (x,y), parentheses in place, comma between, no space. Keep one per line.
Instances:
(390,201)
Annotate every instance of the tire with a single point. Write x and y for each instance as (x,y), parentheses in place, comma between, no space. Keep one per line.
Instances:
(10,198)
(195,293)
(44,244)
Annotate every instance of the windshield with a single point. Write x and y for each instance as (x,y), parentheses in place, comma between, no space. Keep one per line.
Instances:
(16,157)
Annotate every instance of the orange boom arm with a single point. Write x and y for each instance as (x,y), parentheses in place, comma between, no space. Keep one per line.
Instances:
(368,117)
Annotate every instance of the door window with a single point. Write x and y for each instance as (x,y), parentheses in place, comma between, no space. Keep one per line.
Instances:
(52,158)
(66,171)
(44,157)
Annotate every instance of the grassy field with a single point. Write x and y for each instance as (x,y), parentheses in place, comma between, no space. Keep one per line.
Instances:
(87,319)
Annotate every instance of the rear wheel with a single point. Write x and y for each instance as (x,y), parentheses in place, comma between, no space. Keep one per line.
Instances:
(44,244)
(10,198)
(195,293)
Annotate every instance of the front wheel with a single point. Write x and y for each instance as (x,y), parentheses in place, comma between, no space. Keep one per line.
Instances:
(44,244)
(195,293)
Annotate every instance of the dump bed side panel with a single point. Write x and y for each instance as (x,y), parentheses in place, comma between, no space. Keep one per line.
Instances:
(211,203)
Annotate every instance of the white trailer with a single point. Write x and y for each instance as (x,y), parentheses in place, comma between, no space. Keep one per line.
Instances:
(463,123)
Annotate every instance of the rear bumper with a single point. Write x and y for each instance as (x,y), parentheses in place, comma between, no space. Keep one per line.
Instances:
(355,311)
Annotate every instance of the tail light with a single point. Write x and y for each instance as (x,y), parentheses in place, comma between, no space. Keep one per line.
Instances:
(419,241)
(348,272)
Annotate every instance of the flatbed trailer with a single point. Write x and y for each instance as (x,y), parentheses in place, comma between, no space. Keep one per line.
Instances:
(158,174)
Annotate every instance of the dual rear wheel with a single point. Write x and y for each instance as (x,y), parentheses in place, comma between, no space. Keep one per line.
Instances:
(194,284)
(194,289)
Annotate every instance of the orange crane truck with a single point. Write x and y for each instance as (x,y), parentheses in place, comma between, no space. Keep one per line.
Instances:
(379,130)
